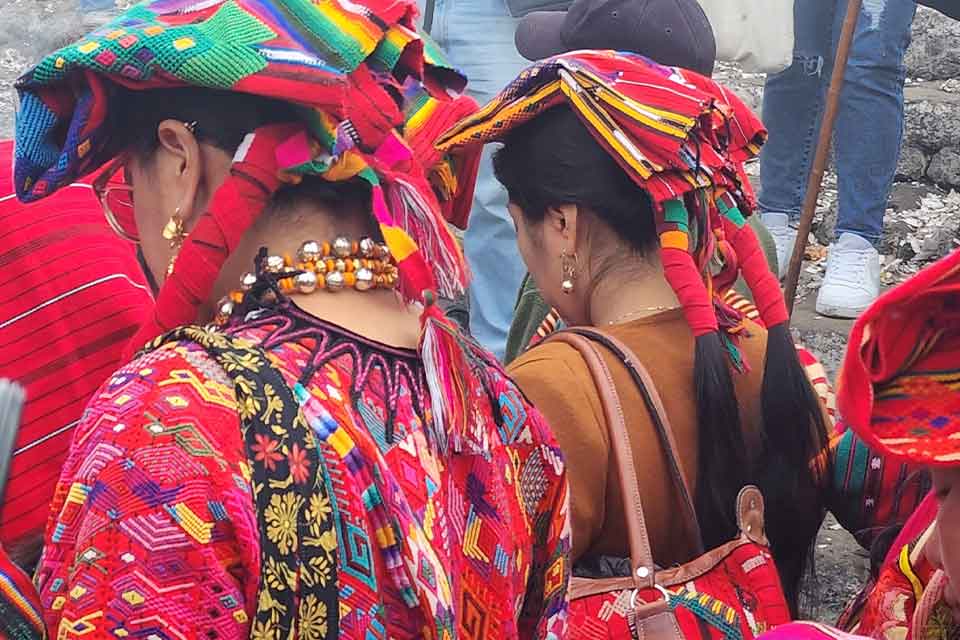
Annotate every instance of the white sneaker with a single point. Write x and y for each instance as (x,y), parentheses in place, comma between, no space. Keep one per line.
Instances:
(852,282)
(784,236)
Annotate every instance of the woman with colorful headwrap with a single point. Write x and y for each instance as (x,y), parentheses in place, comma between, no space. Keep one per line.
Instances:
(607,158)
(333,459)
(899,390)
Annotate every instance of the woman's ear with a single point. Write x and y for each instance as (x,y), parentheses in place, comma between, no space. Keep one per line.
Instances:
(182,160)
(563,221)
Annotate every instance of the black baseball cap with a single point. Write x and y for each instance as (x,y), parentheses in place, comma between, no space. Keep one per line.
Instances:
(675,33)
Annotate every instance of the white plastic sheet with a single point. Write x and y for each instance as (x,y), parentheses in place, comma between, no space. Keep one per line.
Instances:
(758,34)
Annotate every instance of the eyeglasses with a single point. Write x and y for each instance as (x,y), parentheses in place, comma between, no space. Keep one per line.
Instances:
(116,196)
(116,199)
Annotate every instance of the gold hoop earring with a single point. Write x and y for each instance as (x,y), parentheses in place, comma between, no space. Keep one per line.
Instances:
(173,232)
(568,272)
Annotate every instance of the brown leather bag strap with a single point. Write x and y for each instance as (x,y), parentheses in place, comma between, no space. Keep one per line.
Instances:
(658,415)
(641,554)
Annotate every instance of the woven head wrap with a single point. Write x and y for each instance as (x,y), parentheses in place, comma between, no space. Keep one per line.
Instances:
(681,137)
(899,387)
(360,73)
(345,62)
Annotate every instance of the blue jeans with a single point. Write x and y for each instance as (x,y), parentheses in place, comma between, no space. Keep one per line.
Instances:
(477,35)
(869,127)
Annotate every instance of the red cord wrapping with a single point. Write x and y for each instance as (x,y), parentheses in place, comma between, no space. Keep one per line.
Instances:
(753,265)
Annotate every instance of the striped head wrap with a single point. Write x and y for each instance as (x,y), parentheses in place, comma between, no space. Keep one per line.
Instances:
(359,72)
(899,388)
(680,136)
(350,65)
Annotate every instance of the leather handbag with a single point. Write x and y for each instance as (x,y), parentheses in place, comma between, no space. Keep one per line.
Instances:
(730,592)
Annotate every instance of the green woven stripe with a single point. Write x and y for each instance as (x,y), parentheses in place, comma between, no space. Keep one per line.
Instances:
(732,214)
(675,212)
(215,53)
(227,58)
(415,105)
(385,56)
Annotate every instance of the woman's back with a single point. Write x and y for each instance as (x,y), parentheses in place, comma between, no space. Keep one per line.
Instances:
(556,379)
(156,526)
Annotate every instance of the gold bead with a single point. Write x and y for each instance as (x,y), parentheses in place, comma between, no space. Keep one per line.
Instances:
(248,281)
(309,251)
(364,279)
(275,264)
(224,309)
(335,281)
(321,266)
(341,247)
(368,248)
(340,265)
(306,282)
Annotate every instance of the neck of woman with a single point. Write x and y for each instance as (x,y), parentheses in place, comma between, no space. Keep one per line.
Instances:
(377,314)
(629,289)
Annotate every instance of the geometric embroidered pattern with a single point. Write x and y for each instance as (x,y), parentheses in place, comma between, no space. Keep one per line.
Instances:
(180,524)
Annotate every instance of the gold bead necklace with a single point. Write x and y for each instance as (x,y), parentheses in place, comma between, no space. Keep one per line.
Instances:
(361,265)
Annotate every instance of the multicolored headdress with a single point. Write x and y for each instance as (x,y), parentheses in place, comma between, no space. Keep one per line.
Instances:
(369,88)
(360,70)
(680,136)
(899,388)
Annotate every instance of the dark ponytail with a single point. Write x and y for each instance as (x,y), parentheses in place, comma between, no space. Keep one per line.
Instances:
(794,437)
(723,463)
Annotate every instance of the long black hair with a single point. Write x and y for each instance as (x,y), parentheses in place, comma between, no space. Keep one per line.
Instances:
(554,160)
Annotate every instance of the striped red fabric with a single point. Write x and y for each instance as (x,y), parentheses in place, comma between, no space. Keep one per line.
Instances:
(71,295)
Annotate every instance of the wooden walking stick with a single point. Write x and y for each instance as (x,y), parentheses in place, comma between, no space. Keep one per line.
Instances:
(815,180)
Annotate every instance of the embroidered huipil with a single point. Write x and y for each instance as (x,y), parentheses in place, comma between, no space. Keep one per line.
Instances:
(154,530)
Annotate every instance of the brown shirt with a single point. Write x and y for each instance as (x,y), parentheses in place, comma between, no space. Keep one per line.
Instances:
(556,379)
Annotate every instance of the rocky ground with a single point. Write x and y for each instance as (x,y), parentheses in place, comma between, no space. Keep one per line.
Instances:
(922,224)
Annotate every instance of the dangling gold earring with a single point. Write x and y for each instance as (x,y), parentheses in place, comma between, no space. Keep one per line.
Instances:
(173,231)
(568,272)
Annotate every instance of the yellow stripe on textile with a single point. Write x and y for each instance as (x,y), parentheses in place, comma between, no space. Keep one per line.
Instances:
(506,113)
(401,245)
(347,165)
(907,570)
(675,240)
(350,25)
(422,115)
(636,111)
(604,130)
(190,522)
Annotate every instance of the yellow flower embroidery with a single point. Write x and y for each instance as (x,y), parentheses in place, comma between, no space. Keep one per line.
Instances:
(281,517)
(262,631)
(313,618)
(320,510)
(274,405)
(239,362)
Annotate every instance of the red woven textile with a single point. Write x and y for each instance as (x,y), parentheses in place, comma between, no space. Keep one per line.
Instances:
(900,379)
(71,295)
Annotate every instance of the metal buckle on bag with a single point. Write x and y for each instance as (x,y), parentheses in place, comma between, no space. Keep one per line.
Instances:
(636,592)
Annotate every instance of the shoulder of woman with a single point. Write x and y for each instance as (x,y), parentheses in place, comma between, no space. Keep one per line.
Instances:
(555,378)
(176,391)
(546,355)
